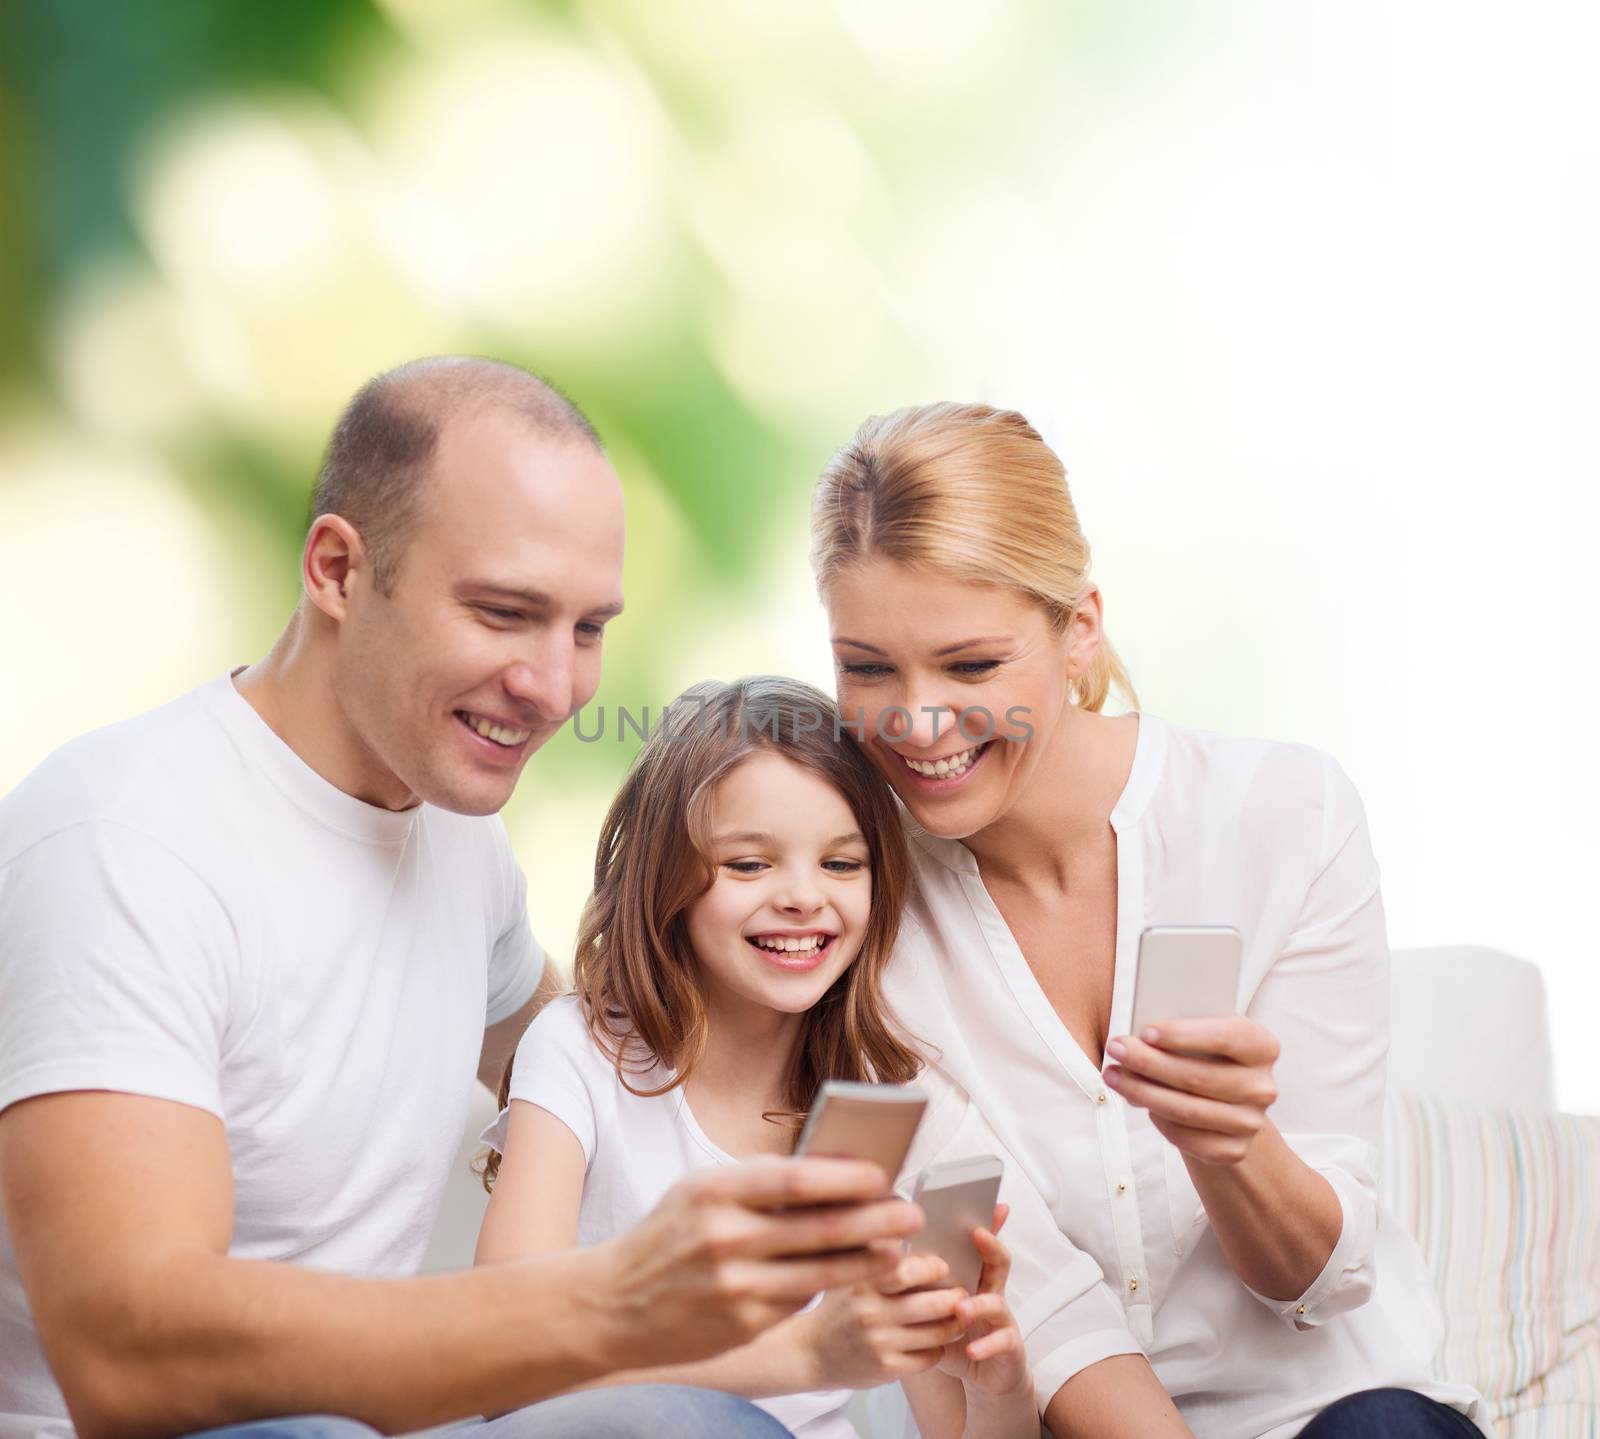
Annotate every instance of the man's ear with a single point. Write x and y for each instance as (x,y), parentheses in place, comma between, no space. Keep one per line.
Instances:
(334,557)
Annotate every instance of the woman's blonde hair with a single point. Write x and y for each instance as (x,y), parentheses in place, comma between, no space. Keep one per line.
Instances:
(967,491)
(635,970)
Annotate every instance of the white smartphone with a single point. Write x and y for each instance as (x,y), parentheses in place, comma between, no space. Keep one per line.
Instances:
(957,1197)
(1186,971)
(863,1121)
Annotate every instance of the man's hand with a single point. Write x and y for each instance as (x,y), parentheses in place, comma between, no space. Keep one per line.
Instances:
(731,1251)
(120,1210)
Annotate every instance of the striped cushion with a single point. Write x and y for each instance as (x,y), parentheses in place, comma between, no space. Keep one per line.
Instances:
(1506,1206)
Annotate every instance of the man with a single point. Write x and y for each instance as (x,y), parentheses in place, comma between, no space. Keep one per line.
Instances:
(251,945)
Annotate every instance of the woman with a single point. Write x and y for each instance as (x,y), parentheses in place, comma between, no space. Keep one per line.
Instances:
(1221,1172)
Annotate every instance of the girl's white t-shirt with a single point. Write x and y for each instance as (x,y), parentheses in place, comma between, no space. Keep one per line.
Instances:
(636,1148)
(1210,830)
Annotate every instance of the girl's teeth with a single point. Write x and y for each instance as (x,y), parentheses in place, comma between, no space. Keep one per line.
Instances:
(792,946)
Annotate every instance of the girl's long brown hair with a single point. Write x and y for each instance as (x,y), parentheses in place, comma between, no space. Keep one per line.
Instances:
(634,969)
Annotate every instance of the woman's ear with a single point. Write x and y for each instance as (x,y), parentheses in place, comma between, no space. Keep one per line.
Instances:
(1084,633)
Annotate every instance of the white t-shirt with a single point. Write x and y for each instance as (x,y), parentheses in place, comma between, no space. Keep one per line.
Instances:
(636,1148)
(1270,838)
(189,912)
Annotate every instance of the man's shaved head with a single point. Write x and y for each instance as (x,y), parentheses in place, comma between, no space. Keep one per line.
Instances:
(382,449)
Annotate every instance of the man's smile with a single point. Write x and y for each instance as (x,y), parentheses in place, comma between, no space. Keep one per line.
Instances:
(497,733)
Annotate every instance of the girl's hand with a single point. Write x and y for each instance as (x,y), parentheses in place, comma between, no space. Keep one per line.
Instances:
(1211,1100)
(880,1331)
(990,1358)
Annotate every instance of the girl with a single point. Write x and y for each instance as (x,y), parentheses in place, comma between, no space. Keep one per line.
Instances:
(746,898)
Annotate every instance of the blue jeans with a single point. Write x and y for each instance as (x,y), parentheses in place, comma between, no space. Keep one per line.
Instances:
(1390,1414)
(638,1411)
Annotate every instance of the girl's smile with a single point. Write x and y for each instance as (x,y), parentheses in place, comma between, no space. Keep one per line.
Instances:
(797,952)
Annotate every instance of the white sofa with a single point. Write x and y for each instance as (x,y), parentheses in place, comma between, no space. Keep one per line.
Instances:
(1503,1193)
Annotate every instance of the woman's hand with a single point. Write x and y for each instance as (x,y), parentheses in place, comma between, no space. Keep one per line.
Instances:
(882,1330)
(1207,1083)
(990,1358)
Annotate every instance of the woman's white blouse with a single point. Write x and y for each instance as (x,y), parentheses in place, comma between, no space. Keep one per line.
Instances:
(1269,838)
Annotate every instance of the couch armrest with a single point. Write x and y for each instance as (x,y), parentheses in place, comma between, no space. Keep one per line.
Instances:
(1469,1025)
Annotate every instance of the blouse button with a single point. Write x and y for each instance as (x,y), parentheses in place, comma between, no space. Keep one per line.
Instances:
(1300,1309)
(1133,1286)
(1121,1188)
(1100,1098)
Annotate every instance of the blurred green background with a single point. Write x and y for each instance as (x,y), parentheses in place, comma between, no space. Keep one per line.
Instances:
(1303,295)
(225,216)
